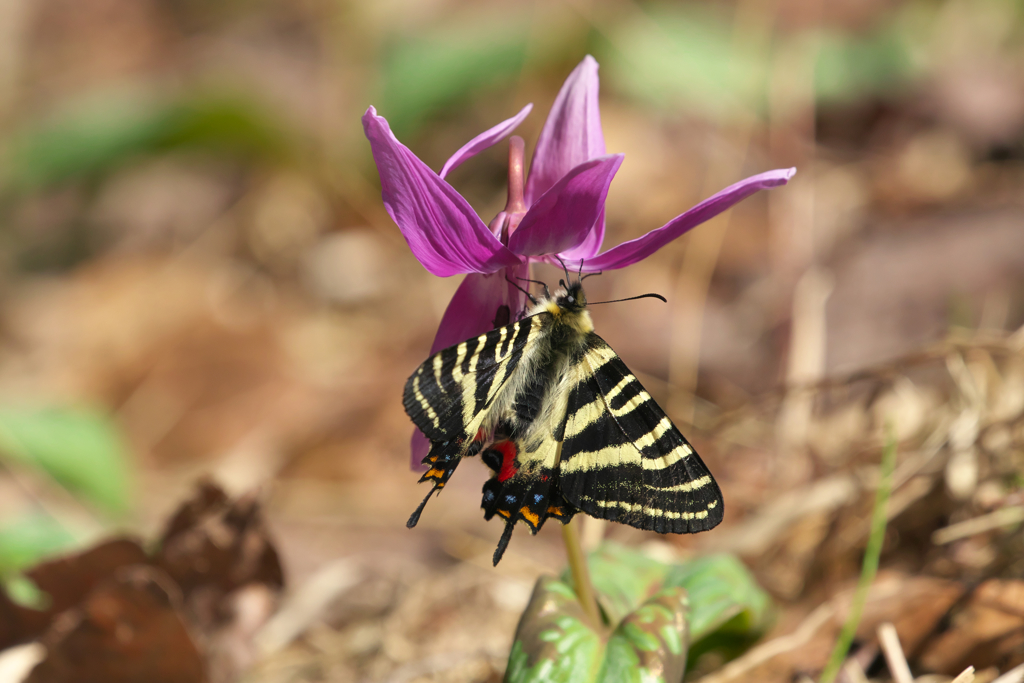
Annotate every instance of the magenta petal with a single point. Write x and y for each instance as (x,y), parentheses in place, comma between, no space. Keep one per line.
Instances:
(564,216)
(590,245)
(481,303)
(442,229)
(484,140)
(572,133)
(630,252)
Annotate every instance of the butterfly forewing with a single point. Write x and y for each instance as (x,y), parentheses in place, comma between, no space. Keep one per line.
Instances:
(623,459)
(450,395)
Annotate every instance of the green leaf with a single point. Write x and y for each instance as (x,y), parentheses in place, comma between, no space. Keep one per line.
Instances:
(689,58)
(684,58)
(23,542)
(851,67)
(81,449)
(433,68)
(99,133)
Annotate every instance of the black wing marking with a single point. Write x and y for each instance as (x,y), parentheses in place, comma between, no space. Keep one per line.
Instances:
(623,459)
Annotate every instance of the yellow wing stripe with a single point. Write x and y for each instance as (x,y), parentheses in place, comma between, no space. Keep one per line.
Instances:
(653,512)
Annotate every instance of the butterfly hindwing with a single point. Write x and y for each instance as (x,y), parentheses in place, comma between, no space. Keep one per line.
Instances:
(622,458)
(524,487)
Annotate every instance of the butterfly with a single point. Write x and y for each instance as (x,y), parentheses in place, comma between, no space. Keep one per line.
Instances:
(562,423)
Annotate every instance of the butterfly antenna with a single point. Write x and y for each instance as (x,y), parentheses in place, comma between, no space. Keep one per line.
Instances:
(415,517)
(537,282)
(506,536)
(600,272)
(564,269)
(642,296)
(528,295)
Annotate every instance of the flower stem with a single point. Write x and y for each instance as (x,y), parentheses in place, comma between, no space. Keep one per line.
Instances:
(580,573)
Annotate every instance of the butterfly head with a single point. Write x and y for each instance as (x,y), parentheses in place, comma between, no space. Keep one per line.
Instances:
(571,298)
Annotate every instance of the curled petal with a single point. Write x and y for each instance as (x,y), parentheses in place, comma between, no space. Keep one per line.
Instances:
(630,252)
(443,231)
(565,215)
(484,140)
(572,133)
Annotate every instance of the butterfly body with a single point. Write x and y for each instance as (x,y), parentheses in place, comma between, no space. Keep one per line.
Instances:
(563,425)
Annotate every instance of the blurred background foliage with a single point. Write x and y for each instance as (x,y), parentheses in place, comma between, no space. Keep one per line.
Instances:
(197,274)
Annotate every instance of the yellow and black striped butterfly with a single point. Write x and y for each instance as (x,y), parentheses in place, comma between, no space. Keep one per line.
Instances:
(563,424)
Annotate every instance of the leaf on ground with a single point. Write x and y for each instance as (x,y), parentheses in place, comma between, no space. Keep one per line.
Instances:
(987,631)
(65,581)
(80,449)
(128,629)
(213,546)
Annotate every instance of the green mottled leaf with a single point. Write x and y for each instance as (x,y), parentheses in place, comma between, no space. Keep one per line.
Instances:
(728,610)
(623,578)
(81,449)
(638,649)
(657,610)
(553,642)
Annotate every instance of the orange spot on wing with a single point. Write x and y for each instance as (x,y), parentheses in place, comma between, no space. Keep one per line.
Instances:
(555,510)
(529,516)
(504,513)
(434,474)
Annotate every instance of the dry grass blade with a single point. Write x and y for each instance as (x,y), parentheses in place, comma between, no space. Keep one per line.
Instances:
(977,525)
(894,657)
(854,672)
(967,676)
(1014,675)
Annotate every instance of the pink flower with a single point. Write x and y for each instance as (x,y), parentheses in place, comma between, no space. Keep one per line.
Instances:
(557,214)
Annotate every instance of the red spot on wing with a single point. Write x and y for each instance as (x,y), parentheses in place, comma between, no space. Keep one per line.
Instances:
(508,460)
(479,435)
